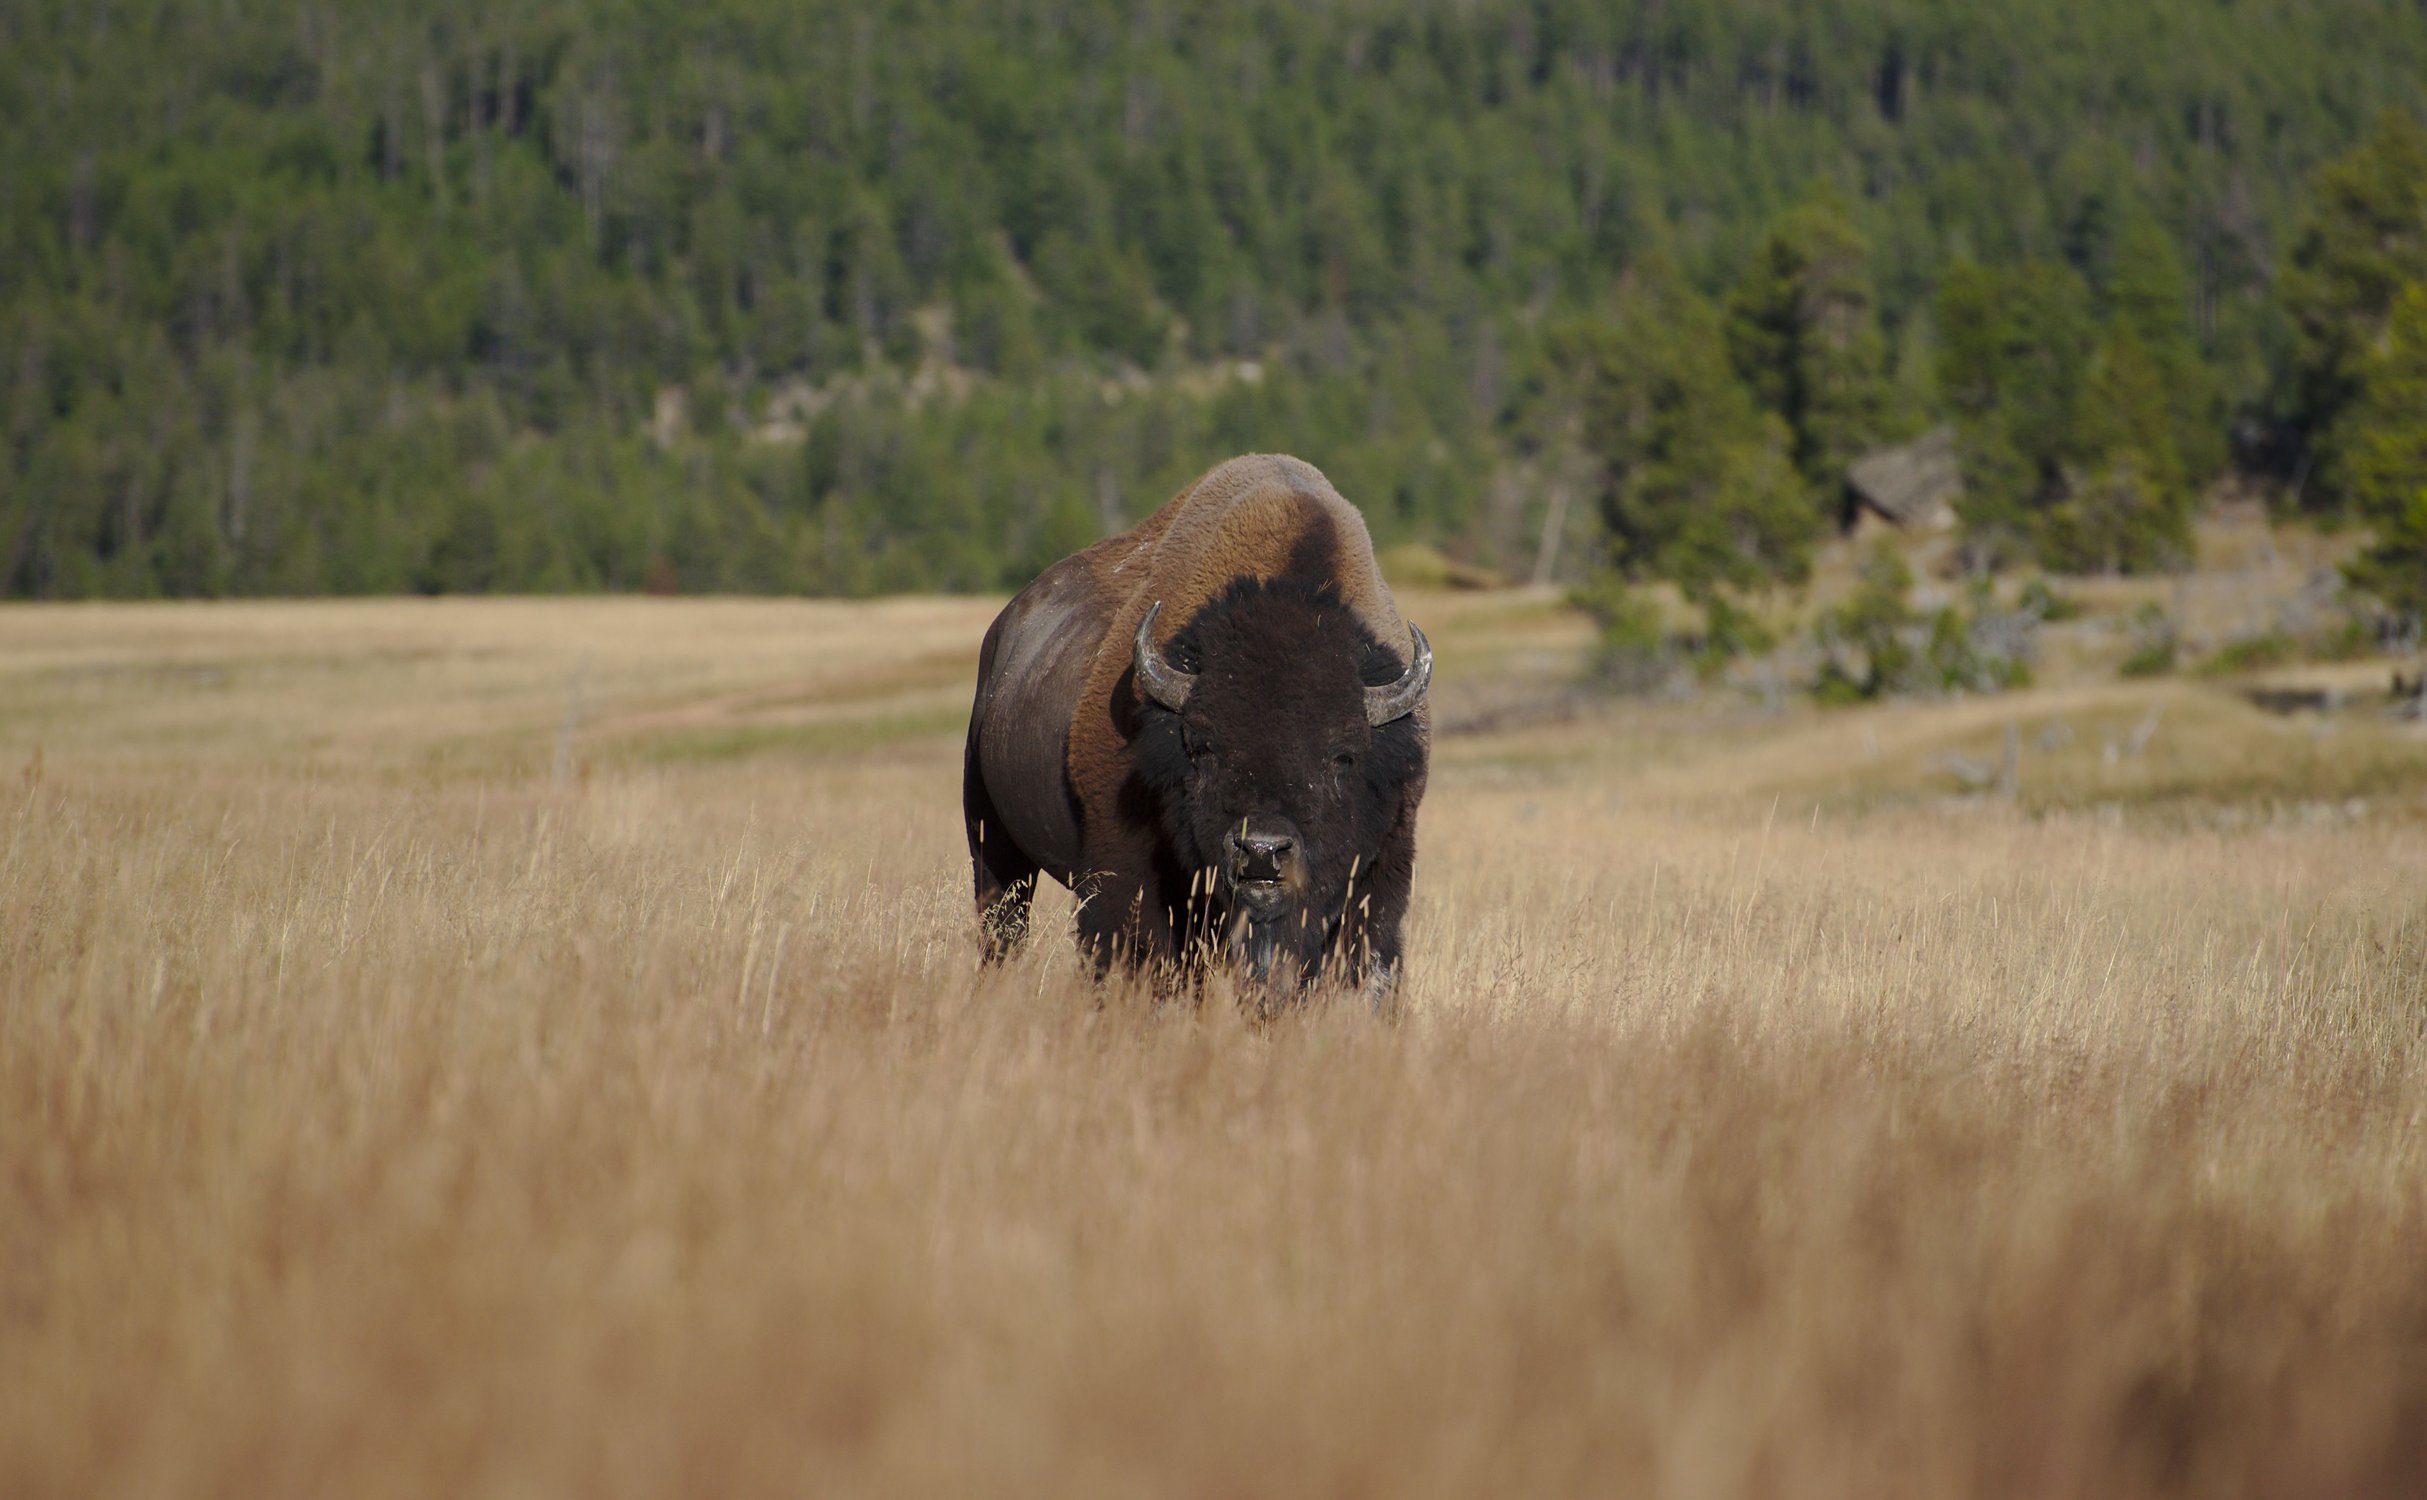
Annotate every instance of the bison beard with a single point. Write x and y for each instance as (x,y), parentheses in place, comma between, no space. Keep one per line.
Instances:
(1274,794)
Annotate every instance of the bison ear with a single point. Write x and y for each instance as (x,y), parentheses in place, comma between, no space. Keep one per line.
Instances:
(1383,704)
(1163,682)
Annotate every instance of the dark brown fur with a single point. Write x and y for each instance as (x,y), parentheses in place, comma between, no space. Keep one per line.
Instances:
(1071,771)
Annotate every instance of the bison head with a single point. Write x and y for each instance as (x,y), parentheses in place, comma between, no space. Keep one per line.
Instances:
(1278,738)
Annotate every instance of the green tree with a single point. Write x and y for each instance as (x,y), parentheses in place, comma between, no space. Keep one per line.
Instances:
(2071,442)
(2046,337)
(1865,650)
(2124,505)
(2126,408)
(2114,519)
(1803,331)
(254,275)
(2014,348)
(2386,448)
(2365,239)
(2147,299)
(1698,485)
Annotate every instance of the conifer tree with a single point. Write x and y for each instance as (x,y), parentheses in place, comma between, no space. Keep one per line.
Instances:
(2147,299)
(2125,505)
(259,278)
(2366,239)
(1803,331)
(2386,463)
(2014,349)
(1698,483)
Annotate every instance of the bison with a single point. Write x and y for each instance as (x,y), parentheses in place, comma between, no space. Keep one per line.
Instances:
(1213,729)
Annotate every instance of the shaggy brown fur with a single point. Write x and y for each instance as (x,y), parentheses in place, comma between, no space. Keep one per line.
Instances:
(1263,516)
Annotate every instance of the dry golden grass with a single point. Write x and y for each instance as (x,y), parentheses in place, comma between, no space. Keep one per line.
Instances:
(420,1077)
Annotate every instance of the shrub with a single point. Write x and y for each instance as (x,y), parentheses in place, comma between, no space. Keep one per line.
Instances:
(1863,642)
(1634,654)
(2153,643)
(2048,603)
(2252,654)
(1875,644)
(1728,632)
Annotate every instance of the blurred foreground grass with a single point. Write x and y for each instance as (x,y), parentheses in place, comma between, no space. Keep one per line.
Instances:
(518,1048)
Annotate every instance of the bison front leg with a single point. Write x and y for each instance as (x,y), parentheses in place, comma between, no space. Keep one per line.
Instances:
(1123,919)
(1377,910)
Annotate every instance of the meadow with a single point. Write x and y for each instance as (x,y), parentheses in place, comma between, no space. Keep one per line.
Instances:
(510,1048)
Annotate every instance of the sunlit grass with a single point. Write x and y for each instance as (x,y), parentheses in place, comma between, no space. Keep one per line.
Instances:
(502,1049)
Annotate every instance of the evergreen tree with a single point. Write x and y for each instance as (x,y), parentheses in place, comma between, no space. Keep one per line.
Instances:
(2071,442)
(2386,462)
(2126,409)
(1698,483)
(2365,239)
(2014,346)
(528,295)
(1803,331)
(2147,299)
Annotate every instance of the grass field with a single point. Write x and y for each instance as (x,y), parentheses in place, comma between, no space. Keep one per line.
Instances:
(516,1048)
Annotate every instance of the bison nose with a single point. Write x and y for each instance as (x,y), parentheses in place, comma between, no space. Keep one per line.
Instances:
(1264,853)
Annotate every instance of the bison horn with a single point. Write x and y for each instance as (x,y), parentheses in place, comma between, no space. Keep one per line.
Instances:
(1383,704)
(1164,683)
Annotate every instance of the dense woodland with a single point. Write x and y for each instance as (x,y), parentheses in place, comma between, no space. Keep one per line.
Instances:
(806,295)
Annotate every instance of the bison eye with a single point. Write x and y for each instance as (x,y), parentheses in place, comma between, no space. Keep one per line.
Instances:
(1346,760)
